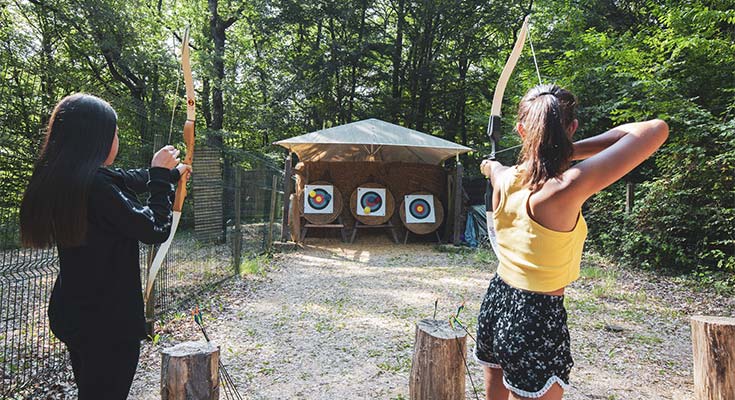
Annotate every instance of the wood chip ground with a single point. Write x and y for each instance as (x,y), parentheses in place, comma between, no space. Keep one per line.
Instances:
(336,321)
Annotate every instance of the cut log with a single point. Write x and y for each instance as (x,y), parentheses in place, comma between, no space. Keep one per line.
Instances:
(713,345)
(189,371)
(423,229)
(323,219)
(438,369)
(390,206)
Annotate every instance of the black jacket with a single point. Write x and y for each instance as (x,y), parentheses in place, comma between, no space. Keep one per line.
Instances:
(98,293)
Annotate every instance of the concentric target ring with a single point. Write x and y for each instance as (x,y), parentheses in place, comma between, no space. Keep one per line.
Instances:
(319,199)
(420,208)
(371,202)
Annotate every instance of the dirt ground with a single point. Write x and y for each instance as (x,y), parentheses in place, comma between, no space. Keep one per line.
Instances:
(336,321)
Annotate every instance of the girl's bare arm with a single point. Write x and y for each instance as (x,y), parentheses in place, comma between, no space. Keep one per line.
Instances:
(634,144)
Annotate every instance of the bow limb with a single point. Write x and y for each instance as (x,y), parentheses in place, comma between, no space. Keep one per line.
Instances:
(493,126)
(189,138)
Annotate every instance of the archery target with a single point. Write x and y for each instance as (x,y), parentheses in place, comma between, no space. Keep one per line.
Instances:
(318,199)
(419,209)
(371,202)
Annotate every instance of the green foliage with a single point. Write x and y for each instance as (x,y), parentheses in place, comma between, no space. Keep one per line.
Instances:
(679,68)
(290,67)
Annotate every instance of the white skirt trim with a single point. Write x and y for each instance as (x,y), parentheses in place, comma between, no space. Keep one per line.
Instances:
(485,363)
(535,395)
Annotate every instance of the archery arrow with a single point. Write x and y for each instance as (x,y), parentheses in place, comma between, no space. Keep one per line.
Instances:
(181,187)
(493,125)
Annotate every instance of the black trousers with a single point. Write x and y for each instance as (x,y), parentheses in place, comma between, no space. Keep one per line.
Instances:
(104,370)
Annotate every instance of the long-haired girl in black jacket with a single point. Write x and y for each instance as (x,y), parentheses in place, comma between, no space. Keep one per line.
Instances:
(92,215)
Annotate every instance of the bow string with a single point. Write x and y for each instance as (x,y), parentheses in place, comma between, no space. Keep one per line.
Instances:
(189,139)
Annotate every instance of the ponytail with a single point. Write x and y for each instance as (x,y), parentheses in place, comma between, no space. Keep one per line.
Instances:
(546,113)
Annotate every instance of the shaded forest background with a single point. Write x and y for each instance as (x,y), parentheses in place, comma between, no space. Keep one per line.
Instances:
(267,70)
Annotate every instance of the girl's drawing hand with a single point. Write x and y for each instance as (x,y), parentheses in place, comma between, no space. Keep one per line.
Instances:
(167,157)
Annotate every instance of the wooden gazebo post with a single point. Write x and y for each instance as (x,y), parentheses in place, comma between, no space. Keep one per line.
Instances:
(457,239)
(287,172)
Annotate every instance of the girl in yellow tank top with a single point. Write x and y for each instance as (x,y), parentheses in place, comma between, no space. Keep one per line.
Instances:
(522,335)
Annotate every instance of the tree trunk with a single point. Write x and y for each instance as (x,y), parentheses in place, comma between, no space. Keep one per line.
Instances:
(395,106)
(336,67)
(217,29)
(713,344)
(356,55)
(206,107)
(438,368)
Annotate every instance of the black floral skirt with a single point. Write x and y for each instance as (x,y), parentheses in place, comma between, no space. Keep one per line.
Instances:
(526,335)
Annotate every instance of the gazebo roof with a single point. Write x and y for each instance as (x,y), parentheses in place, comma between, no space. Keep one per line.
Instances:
(372,140)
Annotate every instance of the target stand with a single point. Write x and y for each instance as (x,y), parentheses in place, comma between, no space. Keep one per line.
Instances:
(421,213)
(372,205)
(321,204)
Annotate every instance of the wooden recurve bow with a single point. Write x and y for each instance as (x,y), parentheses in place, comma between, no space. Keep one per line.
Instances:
(189,137)
(493,126)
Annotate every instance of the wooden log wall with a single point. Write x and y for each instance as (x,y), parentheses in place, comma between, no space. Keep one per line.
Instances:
(400,178)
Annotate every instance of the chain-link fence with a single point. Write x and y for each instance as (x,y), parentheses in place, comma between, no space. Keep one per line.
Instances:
(233,211)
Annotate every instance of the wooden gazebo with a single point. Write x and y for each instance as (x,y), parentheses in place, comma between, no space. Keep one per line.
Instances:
(372,167)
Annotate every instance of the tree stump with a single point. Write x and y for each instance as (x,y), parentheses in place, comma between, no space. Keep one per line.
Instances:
(190,371)
(713,345)
(438,369)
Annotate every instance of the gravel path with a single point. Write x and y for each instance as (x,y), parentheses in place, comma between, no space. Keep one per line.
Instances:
(336,321)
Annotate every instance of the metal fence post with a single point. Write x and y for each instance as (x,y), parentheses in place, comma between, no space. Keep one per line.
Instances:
(237,232)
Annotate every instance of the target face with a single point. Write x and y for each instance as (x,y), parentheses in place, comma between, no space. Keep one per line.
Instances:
(371,202)
(420,209)
(318,199)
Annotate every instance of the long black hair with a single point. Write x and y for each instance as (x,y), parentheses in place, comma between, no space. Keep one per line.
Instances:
(78,140)
(546,113)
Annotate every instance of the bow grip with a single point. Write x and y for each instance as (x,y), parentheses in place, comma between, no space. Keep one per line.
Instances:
(488,196)
(494,130)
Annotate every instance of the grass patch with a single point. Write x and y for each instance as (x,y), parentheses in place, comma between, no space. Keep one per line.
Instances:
(584,304)
(606,289)
(637,297)
(484,256)
(323,326)
(633,315)
(253,266)
(400,365)
(646,339)
(595,272)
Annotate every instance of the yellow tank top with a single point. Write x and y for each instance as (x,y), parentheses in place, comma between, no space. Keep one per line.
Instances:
(531,256)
